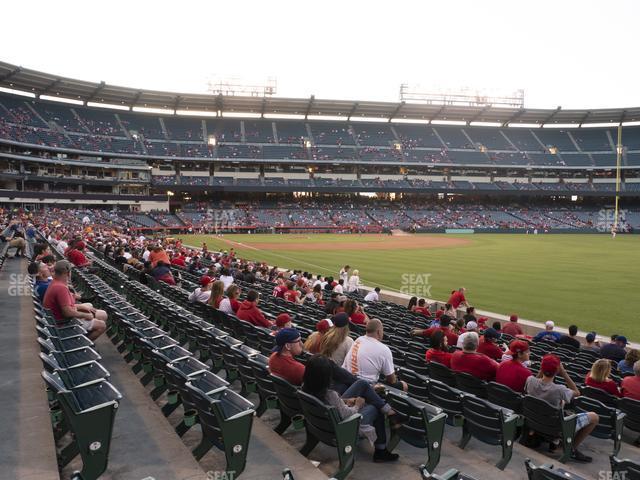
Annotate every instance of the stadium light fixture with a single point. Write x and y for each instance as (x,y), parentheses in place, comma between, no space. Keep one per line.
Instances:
(485,124)
(334,118)
(596,125)
(17,92)
(166,111)
(370,119)
(630,124)
(524,125)
(241,115)
(284,116)
(410,120)
(574,198)
(307,143)
(196,113)
(51,98)
(448,122)
(212,140)
(107,105)
(561,125)
(170,193)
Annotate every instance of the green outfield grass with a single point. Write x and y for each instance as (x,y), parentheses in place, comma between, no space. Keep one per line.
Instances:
(590,280)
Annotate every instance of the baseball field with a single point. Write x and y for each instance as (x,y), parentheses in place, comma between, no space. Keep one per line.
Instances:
(589,280)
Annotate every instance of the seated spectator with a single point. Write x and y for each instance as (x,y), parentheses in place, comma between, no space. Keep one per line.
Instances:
(230,304)
(249,311)
(158,254)
(496,326)
(615,350)
(373,295)
(339,288)
(217,294)
(75,254)
(548,334)
(62,303)
(452,338)
(226,278)
(591,344)
(470,316)
(472,329)
(413,301)
(571,338)
(489,345)
(468,360)
(313,342)
(626,366)
(282,321)
(631,385)
(162,273)
(282,362)
(422,308)
(544,388)
(119,258)
(293,295)
(316,295)
(512,328)
(202,294)
(358,398)
(598,377)
(18,242)
(336,343)
(42,275)
(369,358)
(439,351)
(332,305)
(280,289)
(355,312)
(513,373)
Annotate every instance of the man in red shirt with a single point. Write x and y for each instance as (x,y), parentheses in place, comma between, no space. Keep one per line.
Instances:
(250,312)
(76,255)
(281,361)
(457,298)
(468,360)
(422,308)
(445,321)
(631,384)
(513,373)
(291,294)
(280,289)
(512,328)
(488,345)
(62,303)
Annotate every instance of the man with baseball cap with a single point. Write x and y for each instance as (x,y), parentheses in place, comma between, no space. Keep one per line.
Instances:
(62,303)
(76,255)
(616,349)
(513,373)
(471,329)
(512,328)
(282,362)
(489,345)
(203,292)
(548,334)
(544,388)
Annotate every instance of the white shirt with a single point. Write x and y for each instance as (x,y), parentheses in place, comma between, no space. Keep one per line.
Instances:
(344,276)
(353,284)
(368,358)
(463,336)
(145,255)
(372,296)
(227,280)
(199,296)
(225,306)
(62,246)
(338,289)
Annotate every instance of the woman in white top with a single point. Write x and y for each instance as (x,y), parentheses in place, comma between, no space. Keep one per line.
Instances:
(354,282)
(344,273)
(226,278)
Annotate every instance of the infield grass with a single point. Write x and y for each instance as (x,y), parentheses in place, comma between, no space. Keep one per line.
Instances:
(589,280)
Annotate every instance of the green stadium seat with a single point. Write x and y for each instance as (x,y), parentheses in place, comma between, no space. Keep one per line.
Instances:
(470,384)
(77,375)
(631,408)
(505,397)
(547,472)
(625,469)
(442,373)
(289,403)
(611,420)
(448,399)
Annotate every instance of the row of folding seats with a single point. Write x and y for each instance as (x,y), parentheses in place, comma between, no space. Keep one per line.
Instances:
(83,403)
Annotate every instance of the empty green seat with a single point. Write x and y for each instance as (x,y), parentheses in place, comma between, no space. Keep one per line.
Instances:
(610,422)
(625,469)
(75,376)
(547,472)
(470,384)
(288,401)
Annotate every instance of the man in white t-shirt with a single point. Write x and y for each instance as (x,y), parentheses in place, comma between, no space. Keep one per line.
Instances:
(369,358)
(471,329)
(339,288)
(373,295)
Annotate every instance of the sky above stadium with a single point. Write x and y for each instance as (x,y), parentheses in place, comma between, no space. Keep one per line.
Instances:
(577,54)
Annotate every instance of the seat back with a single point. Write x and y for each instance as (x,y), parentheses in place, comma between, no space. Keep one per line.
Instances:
(470,384)
(547,472)
(625,469)
(420,430)
(632,409)
(542,417)
(418,384)
(600,395)
(287,396)
(483,419)
(607,424)
(417,363)
(505,397)
(321,419)
(442,373)
(448,399)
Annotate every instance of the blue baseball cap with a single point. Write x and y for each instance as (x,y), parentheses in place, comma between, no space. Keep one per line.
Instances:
(284,336)
(622,338)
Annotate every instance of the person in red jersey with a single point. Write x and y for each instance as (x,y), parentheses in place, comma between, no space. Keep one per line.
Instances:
(355,312)
(512,328)
(513,373)
(76,255)
(445,326)
(631,385)
(468,360)
(457,298)
(489,346)
(291,294)
(280,289)
(598,377)
(439,351)
(282,362)
(422,308)
(249,311)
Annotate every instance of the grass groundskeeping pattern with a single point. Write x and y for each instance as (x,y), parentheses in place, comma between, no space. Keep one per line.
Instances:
(589,280)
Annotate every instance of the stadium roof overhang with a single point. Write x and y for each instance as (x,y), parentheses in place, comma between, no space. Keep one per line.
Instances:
(39,83)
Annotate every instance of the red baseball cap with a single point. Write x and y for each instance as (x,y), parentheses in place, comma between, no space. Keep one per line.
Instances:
(205,280)
(517,346)
(550,364)
(513,318)
(282,320)
(80,245)
(323,325)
